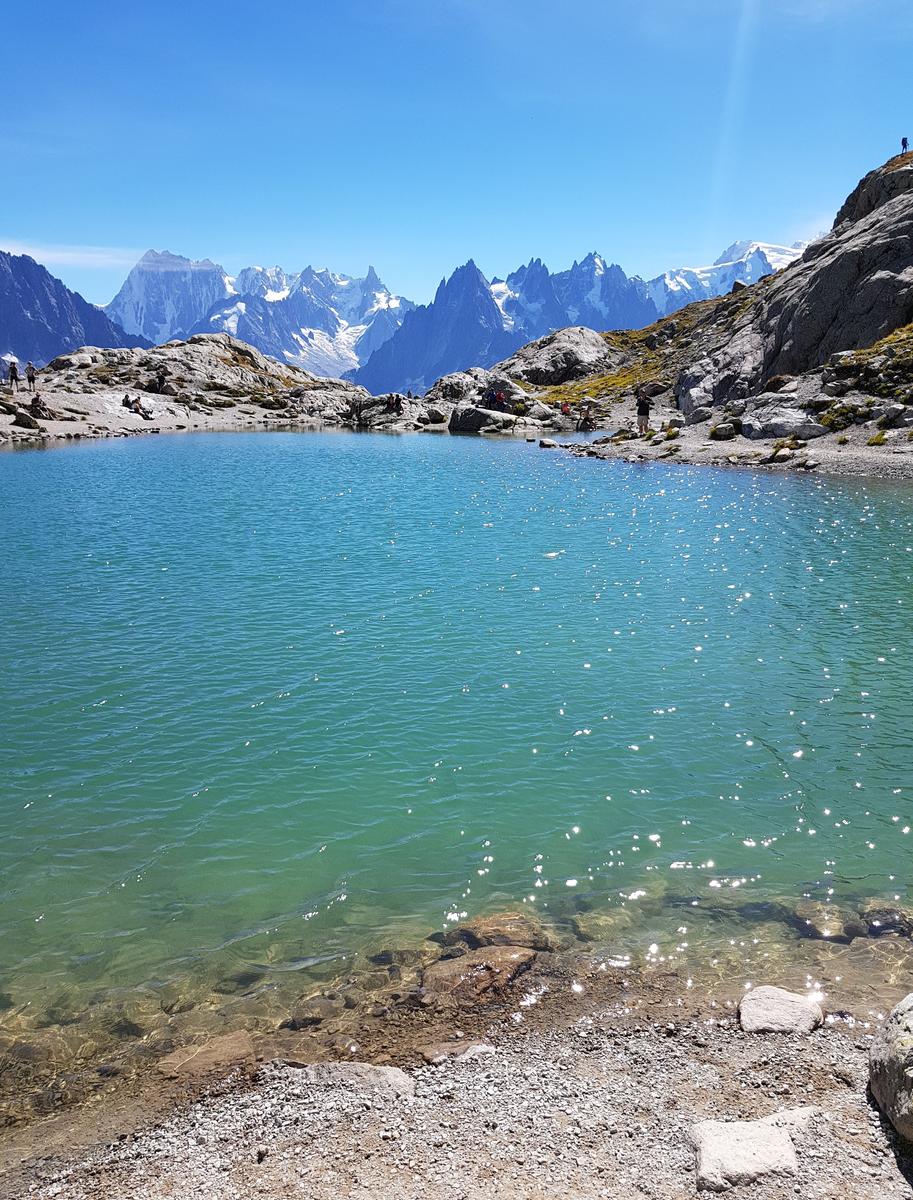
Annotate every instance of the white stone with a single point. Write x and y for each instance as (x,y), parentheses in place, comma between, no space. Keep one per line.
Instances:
(730,1153)
(774,1010)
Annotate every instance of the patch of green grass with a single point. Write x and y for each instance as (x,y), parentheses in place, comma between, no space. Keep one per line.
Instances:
(877,439)
(842,440)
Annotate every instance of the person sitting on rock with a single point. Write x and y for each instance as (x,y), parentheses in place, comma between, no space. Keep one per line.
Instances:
(30,374)
(140,411)
(565,408)
(586,422)
(39,409)
(644,404)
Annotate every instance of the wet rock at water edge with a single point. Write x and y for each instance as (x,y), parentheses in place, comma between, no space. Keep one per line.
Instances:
(774,1010)
(503,929)
(476,977)
(216,1054)
(890,1062)
(313,1011)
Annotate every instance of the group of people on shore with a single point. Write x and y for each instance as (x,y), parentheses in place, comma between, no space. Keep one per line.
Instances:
(13,377)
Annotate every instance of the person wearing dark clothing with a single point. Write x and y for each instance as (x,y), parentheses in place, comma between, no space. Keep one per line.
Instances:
(14,376)
(904,145)
(30,374)
(644,404)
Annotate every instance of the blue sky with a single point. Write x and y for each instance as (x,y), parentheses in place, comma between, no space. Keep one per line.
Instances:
(414,134)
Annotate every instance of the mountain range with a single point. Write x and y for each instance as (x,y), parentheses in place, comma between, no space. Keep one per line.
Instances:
(341,326)
(329,324)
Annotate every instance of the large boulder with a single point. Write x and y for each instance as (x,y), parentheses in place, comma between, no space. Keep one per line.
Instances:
(560,357)
(474,387)
(468,418)
(891,1067)
(771,418)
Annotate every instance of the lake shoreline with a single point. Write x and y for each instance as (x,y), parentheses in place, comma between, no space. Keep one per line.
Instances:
(562,1040)
(850,457)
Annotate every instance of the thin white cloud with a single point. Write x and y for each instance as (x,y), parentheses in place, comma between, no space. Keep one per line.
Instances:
(102,258)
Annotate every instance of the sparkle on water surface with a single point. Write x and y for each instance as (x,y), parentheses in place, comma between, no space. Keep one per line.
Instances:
(272,699)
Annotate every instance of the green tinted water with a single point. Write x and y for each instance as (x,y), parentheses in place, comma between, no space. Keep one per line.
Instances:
(271,699)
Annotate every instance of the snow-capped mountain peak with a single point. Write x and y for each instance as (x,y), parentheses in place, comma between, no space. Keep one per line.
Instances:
(742,262)
(164,293)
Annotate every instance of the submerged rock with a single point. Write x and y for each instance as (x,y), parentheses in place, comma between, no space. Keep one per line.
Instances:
(216,1054)
(818,920)
(885,916)
(503,929)
(313,1011)
(476,977)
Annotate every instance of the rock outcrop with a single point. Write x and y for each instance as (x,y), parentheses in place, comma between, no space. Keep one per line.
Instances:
(568,354)
(848,290)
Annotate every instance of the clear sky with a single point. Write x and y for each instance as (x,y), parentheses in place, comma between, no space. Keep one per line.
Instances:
(414,134)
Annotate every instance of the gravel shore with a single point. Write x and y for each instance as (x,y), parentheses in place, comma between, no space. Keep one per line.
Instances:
(581,1083)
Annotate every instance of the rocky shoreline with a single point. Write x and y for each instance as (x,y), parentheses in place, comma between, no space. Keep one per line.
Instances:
(508,993)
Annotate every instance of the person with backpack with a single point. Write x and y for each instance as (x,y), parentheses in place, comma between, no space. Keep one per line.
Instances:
(30,374)
(904,145)
(13,376)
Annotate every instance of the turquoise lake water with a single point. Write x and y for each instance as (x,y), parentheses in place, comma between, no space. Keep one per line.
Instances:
(275,698)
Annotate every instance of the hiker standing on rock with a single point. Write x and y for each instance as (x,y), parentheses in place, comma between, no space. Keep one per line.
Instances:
(13,376)
(904,145)
(30,374)
(644,404)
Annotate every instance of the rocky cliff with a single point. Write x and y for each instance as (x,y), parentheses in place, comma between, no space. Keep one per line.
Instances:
(823,343)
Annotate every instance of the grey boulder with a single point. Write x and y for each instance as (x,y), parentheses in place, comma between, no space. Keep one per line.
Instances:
(774,1010)
(891,1067)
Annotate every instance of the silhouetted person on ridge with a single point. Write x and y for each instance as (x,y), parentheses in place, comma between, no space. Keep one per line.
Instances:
(904,145)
